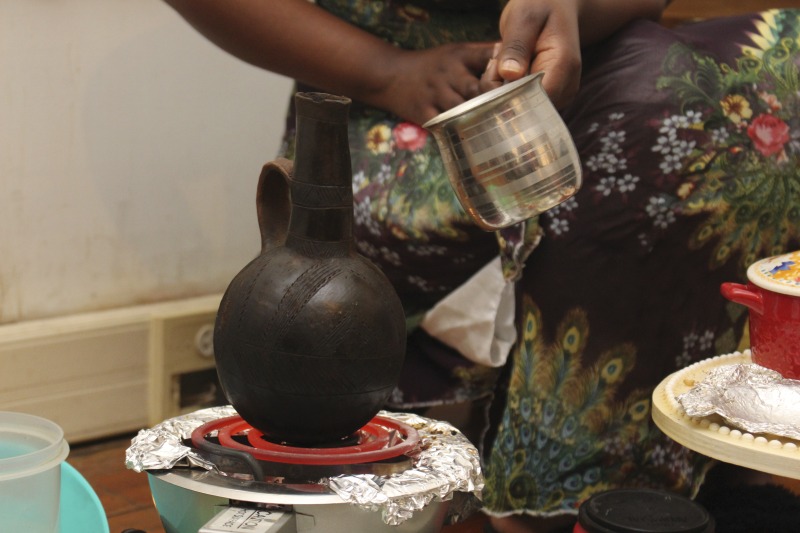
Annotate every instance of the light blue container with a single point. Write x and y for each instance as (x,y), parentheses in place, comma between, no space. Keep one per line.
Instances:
(32,450)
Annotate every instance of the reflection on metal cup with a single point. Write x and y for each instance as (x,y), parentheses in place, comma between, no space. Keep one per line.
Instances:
(508,154)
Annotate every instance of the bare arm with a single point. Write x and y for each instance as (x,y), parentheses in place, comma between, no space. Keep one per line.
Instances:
(300,40)
(296,38)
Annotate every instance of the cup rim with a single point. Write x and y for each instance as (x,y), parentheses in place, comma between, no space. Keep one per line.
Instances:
(32,462)
(479,100)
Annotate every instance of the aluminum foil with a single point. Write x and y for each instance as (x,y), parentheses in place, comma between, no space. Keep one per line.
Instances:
(161,447)
(749,397)
(446,465)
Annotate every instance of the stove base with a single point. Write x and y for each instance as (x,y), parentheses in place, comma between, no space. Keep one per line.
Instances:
(237,519)
(187,510)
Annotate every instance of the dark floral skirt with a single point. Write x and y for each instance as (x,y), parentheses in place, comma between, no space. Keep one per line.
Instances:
(690,146)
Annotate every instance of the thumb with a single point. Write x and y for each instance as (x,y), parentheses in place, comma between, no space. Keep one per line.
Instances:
(513,60)
(518,45)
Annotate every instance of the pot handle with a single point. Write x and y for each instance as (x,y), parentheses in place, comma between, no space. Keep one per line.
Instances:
(745,295)
(273,202)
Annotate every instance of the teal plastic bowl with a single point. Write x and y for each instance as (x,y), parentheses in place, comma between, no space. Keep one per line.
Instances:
(81,510)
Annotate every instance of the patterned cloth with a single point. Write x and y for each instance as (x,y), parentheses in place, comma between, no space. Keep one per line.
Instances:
(690,145)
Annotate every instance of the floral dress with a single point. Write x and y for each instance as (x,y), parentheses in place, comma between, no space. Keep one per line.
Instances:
(690,146)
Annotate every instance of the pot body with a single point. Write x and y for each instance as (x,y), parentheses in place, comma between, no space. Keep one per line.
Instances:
(772,296)
(310,336)
(774,327)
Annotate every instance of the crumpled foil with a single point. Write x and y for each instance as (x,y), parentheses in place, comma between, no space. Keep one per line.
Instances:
(748,396)
(161,447)
(445,464)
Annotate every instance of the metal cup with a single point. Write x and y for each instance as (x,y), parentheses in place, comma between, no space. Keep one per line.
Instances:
(508,154)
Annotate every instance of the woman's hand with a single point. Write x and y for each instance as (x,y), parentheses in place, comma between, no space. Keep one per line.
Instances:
(299,39)
(538,35)
(547,35)
(425,83)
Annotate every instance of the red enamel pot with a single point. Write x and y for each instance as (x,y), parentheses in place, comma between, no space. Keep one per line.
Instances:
(772,296)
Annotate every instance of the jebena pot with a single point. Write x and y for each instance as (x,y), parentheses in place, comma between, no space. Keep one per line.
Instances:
(310,336)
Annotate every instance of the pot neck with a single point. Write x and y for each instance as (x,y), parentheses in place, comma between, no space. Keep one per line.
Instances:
(322,191)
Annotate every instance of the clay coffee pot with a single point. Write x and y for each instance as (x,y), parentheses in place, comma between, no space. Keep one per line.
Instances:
(310,336)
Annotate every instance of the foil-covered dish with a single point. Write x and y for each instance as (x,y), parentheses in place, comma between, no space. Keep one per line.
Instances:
(445,464)
(749,397)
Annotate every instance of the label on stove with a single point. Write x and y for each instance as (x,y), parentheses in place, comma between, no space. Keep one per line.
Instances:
(240,519)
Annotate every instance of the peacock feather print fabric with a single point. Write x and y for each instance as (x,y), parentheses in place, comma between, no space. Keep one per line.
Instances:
(690,141)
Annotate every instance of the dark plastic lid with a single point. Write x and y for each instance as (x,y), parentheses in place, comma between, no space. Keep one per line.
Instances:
(643,511)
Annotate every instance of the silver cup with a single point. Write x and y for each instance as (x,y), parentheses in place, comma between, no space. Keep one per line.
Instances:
(508,154)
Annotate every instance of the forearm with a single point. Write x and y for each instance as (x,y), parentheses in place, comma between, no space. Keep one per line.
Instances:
(297,39)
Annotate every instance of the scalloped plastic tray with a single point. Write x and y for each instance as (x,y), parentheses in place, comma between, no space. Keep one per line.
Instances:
(710,435)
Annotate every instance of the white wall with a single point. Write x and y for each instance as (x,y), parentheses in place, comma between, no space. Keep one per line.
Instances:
(130,148)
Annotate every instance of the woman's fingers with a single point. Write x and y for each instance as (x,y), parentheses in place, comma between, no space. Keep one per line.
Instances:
(539,37)
(520,27)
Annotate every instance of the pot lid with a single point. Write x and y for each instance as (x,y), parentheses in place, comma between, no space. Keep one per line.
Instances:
(777,274)
(643,511)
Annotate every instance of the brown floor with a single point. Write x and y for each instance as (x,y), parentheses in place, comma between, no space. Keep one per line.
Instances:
(125,495)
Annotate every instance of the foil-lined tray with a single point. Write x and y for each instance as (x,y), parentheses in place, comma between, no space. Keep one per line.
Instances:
(749,397)
(446,464)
